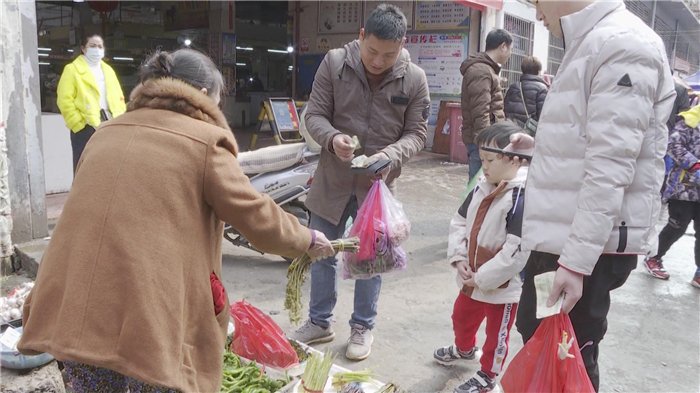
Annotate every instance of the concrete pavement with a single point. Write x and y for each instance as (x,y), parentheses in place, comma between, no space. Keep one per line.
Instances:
(653,340)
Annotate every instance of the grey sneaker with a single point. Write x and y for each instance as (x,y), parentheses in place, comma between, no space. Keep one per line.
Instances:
(479,383)
(310,333)
(451,354)
(360,343)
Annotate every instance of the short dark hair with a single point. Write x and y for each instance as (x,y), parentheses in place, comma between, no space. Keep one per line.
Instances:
(188,65)
(499,133)
(386,22)
(531,65)
(497,37)
(91,35)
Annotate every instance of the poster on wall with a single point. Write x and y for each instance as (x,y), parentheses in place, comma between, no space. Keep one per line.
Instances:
(328,42)
(228,49)
(229,74)
(440,56)
(405,6)
(339,16)
(432,15)
(180,15)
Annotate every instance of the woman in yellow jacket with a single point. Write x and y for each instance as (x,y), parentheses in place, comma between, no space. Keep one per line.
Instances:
(88,94)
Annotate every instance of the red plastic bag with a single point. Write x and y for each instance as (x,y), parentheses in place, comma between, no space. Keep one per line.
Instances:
(538,368)
(257,337)
(381,226)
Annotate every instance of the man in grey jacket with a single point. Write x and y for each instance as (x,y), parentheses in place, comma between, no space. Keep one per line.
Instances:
(592,196)
(369,89)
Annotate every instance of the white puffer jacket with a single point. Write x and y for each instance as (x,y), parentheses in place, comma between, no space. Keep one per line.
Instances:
(598,163)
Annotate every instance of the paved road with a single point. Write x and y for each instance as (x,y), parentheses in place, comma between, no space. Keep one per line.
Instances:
(653,340)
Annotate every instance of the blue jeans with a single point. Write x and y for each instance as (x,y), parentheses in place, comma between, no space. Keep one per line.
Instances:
(474,159)
(324,279)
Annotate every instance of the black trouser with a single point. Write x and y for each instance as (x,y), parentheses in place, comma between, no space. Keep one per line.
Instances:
(78,140)
(680,213)
(589,316)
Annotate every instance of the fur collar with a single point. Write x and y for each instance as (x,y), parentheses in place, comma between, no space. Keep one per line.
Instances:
(177,96)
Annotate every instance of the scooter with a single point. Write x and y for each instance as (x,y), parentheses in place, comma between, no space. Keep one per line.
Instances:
(285,173)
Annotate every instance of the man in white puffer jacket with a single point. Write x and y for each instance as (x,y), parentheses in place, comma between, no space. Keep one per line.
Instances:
(592,199)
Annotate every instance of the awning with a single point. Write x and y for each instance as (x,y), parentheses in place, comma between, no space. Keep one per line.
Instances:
(693,81)
(481,5)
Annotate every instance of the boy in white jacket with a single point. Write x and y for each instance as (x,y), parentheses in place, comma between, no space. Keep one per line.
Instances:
(484,247)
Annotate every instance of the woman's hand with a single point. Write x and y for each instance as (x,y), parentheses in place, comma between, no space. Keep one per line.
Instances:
(521,143)
(321,247)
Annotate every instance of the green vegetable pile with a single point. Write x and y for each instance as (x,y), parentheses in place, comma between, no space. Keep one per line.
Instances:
(301,354)
(340,380)
(240,378)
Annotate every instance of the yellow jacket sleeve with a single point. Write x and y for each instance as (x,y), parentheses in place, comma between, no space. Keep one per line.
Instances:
(67,92)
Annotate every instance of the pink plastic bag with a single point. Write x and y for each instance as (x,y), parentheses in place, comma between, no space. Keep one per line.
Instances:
(257,337)
(381,225)
(538,366)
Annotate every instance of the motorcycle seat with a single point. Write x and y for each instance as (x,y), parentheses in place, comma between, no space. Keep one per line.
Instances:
(271,159)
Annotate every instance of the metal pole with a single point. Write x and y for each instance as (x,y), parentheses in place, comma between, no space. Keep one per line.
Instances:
(675,42)
(653,15)
(297,48)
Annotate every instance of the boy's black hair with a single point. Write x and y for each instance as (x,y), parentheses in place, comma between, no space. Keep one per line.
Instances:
(496,38)
(499,134)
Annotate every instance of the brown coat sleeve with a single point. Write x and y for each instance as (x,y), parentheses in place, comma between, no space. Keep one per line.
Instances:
(321,105)
(415,126)
(476,99)
(257,217)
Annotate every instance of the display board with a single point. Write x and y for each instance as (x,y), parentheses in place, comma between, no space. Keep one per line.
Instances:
(285,112)
(339,16)
(440,56)
(434,15)
(228,49)
(405,6)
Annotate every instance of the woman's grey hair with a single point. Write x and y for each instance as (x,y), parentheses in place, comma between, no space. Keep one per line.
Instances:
(386,22)
(188,65)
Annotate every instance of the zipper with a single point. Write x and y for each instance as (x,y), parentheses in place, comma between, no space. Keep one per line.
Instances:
(622,243)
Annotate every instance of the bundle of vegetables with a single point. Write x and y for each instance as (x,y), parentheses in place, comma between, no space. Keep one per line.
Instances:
(316,372)
(391,388)
(11,306)
(340,380)
(296,275)
(240,378)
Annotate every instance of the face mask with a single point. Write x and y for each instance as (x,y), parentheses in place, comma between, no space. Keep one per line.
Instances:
(95,54)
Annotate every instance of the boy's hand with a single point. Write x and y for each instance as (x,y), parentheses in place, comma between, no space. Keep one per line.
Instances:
(464,270)
(470,282)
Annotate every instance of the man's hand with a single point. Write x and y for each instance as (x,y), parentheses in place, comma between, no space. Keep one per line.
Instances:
(322,248)
(569,283)
(380,156)
(342,145)
(521,143)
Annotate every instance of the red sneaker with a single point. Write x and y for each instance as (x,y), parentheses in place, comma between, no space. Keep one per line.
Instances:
(655,267)
(696,280)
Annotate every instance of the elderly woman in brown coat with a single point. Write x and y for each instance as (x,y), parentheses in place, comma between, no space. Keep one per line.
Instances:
(126,294)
